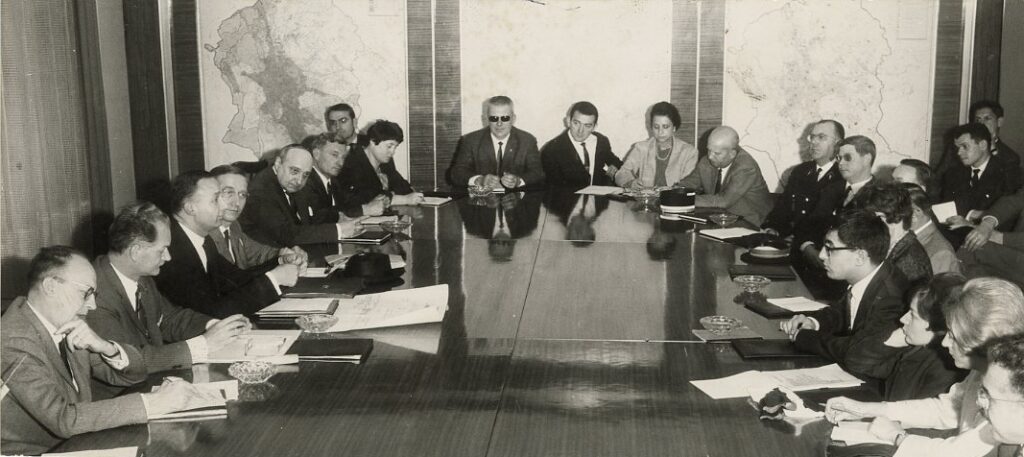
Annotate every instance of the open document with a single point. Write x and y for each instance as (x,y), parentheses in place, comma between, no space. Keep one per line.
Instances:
(266,345)
(216,408)
(740,385)
(421,305)
(797,304)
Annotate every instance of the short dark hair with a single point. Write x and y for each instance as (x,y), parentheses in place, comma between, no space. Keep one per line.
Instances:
(47,260)
(918,197)
(666,109)
(890,199)
(932,296)
(862,144)
(1008,352)
(499,100)
(993,105)
(840,131)
(923,171)
(228,169)
(184,185)
(135,222)
(338,107)
(383,130)
(861,229)
(976,130)
(318,141)
(585,108)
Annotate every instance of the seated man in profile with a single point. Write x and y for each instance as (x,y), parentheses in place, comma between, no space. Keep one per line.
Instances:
(892,203)
(323,193)
(498,155)
(369,173)
(913,171)
(198,277)
(275,215)
(49,354)
(130,309)
(940,253)
(579,156)
(232,242)
(853,330)
(730,178)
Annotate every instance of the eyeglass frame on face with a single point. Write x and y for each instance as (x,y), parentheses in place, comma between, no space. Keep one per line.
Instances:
(501,118)
(985,399)
(817,137)
(228,193)
(828,249)
(89,292)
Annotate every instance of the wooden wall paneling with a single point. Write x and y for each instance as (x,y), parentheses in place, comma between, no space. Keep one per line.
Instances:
(188,106)
(712,67)
(683,92)
(448,86)
(948,61)
(421,93)
(988,38)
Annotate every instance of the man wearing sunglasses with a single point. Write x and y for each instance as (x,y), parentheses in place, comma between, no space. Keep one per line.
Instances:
(50,353)
(853,330)
(498,155)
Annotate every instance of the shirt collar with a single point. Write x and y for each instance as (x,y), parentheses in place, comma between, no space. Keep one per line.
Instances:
(857,289)
(323,178)
(857,185)
(591,142)
(50,329)
(981,168)
(504,142)
(195,238)
(130,286)
(825,168)
(922,229)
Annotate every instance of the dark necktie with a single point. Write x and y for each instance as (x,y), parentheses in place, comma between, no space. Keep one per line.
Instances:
(501,154)
(849,309)
(140,311)
(329,190)
(846,194)
(231,250)
(294,206)
(211,252)
(817,174)
(975,177)
(718,182)
(586,157)
(65,355)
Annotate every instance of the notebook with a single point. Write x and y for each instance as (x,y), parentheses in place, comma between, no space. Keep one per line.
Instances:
(368,237)
(768,349)
(773,272)
(334,287)
(352,350)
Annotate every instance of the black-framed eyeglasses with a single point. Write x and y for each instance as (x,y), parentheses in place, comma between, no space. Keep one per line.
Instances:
(829,249)
(87,293)
(499,118)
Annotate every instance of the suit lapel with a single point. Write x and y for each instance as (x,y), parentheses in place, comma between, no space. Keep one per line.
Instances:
(871,295)
(48,347)
(508,158)
(487,150)
(109,276)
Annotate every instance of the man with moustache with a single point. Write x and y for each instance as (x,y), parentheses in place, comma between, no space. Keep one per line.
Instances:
(498,155)
(579,157)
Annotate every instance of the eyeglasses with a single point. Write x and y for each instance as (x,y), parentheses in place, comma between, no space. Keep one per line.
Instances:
(229,194)
(985,399)
(88,293)
(817,137)
(497,118)
(829,249)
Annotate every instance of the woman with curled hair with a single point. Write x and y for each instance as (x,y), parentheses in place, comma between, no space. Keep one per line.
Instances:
(661,160)
(987,308)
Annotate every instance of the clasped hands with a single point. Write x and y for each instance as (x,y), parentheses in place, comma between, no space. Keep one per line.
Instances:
(981,232)
(508,180)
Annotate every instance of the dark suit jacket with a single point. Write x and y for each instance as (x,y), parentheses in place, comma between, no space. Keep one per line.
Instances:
(922,372)
(521,220)
(220,291)
(161,338)
(830,203)
(999,178)
(563,167)
(43,406)
(475,155)
(315,197)
(910,259)
(743,191)
(359,182)
(1009,211)
(269,219)
(860,350)
(1009,157)
(800,197)
(249,253)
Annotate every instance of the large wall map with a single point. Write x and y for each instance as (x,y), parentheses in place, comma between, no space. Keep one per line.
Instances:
(270,67)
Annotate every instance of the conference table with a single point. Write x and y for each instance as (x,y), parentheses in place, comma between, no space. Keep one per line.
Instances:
(568,333)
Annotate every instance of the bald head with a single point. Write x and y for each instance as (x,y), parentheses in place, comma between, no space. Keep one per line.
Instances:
(722,146)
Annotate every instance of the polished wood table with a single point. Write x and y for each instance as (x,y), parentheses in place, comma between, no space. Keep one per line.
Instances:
(568,333)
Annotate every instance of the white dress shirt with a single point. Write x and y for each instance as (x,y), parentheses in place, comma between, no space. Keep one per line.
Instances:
(119,362)
(591,143)
(197,243)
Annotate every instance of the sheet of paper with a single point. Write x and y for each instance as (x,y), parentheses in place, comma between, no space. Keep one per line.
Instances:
(396,261)
(223,391)
(797,304)
(267,345)
(390,309)
(315,272)
(740,385)
(298,305)
(725,233)
(852,433)
(130,451)
(335,259)
(944,211)
(735,386)
(600,190)
(435,201)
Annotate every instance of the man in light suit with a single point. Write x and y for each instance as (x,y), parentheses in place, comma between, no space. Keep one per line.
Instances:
(730,178)
(50,353)
(853,330)
(274,214)
(579,156)
(499,154)
(232,242)
(940,252)
(130,309)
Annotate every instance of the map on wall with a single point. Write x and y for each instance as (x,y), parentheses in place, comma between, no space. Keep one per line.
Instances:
(269,68)
(867,64)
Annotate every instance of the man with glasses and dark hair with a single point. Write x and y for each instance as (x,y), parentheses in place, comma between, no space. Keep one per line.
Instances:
(808,180)
(853,330)
(1001,397)
(49,353)
(498,155)
(579,156)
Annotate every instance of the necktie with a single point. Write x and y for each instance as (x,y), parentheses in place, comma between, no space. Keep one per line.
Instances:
(329,188)
(847,193)
(64,355)
(500,154)
(849,308)
(294,206)
(975,177)
(210,249)
(231,249)
(817,174)
(718,182)
(140,311)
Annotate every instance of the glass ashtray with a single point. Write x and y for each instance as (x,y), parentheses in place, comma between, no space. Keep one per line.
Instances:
(397,225)
(719,325)
(316,323)
(479,191)
(723,219)
(252,372)
(752,283)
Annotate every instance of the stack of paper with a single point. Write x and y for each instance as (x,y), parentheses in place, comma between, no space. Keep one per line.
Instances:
(391,309)
(852,433)
(222,392)
(130,451)
(600,190)
(740,385)
(290,308)
(266,345)
(797,304)
(726,233)
(435,201)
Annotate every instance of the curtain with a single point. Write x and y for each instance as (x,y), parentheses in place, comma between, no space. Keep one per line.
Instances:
(45,183)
